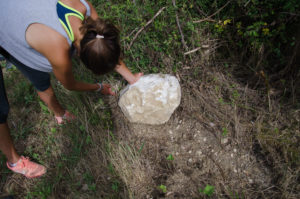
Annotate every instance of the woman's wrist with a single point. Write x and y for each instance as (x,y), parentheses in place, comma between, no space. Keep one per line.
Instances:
(100,87)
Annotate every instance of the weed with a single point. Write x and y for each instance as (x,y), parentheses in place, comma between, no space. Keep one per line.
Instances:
(141,148)
(224,131)
(88,139)
(170,157)
(115,186)
(208,190)
(53,130)
(44,107)
(163,188)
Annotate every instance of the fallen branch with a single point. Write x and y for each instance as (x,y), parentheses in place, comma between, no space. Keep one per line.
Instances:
(132,32)
(206,19)
(209,17)
(179,27)
(150,21)
(192,51)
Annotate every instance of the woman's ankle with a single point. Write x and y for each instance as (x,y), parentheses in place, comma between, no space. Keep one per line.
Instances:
(14,159)
(60,113)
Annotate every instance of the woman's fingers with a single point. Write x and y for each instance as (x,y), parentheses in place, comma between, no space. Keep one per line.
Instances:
(106,90)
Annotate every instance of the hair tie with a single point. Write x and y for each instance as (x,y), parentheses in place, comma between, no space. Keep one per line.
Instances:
(99,36)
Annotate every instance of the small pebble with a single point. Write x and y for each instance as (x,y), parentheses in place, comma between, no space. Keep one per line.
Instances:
(190,151)
(250,180)
(85,187)
(235,150)
(204,139)
(169,193)
(190,160)
(182,147)
(178,127)
(231,155)
(224,141)
(212,124)
(195,135)
(176,153)
(199,152)
(212,151)
(235,171)
(170,132)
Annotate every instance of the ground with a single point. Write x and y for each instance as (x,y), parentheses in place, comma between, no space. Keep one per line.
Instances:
(192,151)
(234,135)
(209,143)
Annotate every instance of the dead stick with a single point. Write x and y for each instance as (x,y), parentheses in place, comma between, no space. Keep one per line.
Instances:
(209,18)
(192,51)
(179,27)
(150,21)
(206,19)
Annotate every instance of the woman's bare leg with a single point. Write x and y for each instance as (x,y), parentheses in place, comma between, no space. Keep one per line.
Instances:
(49,98)
(6,144)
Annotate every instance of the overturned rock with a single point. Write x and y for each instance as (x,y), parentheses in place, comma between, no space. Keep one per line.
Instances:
(151,100)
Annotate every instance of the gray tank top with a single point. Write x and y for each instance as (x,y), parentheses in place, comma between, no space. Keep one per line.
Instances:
(16,16)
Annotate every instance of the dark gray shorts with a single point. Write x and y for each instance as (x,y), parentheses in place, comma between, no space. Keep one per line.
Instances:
(39,79)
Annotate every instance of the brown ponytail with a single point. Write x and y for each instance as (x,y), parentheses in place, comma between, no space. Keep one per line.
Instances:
(100,55)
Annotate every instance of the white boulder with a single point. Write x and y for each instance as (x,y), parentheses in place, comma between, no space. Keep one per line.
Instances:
(151,100)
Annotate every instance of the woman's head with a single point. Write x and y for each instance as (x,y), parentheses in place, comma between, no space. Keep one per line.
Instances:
(99,48)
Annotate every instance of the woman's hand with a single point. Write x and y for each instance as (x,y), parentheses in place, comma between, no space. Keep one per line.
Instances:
(136,78)
(106,90)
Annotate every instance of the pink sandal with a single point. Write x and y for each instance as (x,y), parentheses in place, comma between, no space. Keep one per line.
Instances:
(67,117)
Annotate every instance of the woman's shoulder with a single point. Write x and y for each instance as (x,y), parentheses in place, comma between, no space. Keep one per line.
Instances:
(46,41)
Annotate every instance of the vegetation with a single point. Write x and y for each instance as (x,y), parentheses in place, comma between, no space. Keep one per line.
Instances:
(239,71)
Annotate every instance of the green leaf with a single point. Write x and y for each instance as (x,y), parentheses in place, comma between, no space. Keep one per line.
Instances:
(170,157)
(209,190)
(44,107)
(163,188)
(88,139)
(82,128)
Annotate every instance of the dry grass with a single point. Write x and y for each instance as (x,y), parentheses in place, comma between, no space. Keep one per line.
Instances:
(215,104)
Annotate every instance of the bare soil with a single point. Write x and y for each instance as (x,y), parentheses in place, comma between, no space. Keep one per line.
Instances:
(211,141)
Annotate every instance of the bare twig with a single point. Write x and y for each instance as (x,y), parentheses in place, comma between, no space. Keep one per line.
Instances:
(179,27)
(132,32)
(203,46)
(192,51)
(245,5)
(289,13)
(206,19)
(150,21)
(209,17)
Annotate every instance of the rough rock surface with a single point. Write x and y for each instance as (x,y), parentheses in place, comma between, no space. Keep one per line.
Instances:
(151,100)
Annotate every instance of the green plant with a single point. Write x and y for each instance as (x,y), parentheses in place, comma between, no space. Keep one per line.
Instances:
(170,157)
(115,186)
(208,190)
(44,107)
(224,131)
(163,188)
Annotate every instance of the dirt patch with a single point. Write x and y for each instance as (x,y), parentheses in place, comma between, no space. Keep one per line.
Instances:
(206,142)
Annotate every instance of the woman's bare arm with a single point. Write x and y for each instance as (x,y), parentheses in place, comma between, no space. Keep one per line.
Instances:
(126,73)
